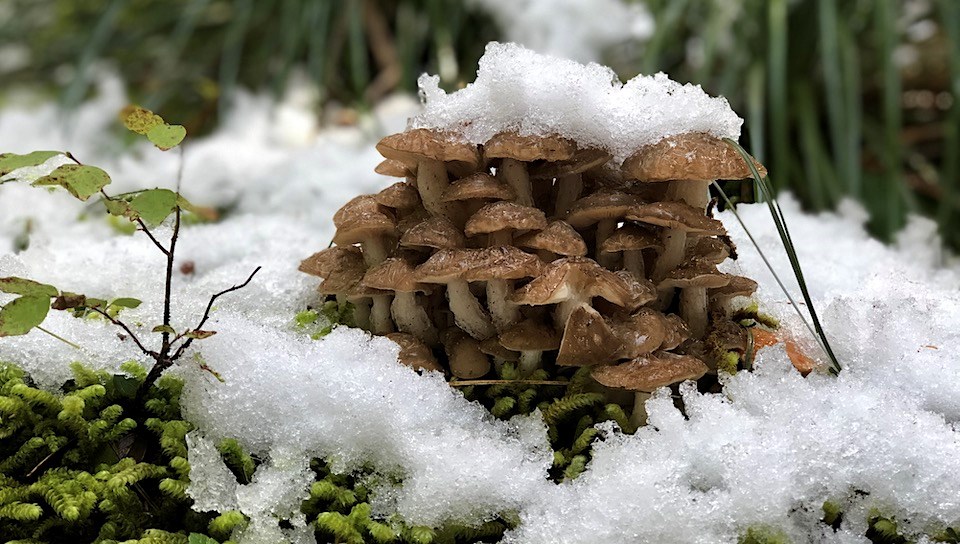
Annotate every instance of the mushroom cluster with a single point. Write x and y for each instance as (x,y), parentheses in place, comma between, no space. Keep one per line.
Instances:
(538,251)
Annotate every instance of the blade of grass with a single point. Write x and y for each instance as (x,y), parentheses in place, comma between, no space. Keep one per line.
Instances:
(178,42)
(784,233)
(756,110)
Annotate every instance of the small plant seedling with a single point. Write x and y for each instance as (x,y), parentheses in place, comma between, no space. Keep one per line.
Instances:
(142,210)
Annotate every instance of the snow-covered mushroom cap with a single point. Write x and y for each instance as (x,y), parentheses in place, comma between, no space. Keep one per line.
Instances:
(559,237)
(677,215)
(530,335)
(693,156)
(478,186)
(399,196)
(435,232)
(604,204)
(360,219)
(506,262)
(630,237)
(588,340)
(414,353)
(393,274)
(505,216)
(510,145)
(411,146)
(650,372)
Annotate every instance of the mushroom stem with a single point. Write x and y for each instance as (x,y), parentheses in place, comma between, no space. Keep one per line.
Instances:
(467,312)
(694,193)
(500,238)
(567,307)
(633,262)
(515,174)
(674,248)
(380,322)
(374,250)
(412,318)
(605,228)
(431,182)
(639,415)
(503,312)
(693,310)
(361,312)
(529,361)
(568,191)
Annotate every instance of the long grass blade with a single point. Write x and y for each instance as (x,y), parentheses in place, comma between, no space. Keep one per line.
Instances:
(784,233)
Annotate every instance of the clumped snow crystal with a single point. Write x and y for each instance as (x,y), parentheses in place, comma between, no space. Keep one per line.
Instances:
(520,90)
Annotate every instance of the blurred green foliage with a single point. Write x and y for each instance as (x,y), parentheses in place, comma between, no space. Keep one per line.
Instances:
(841,97)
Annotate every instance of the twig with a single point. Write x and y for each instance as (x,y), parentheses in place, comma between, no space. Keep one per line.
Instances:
(143,227)
(468,383)
(168,280)
(60,338)
(124,326)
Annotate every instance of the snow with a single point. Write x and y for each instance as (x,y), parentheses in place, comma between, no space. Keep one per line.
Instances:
(768,451)
(517,89)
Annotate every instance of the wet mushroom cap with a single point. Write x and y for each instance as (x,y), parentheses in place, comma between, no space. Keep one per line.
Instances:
(588,340)
(676,332)
(630,237)
(650,372)
(479,185)
(394,169)
(600,205)
(738,286)
(641,333)
(711,250)
(399,196)
(693,156)
(559,237)
(582,160)
(510,145)
(505,215)
(563,277)
(322,263)
(506,263)
(393,274)
(414,353)
(695,274)
(530,335)
(676,215)
(360,219)
(410,146)
(436,232)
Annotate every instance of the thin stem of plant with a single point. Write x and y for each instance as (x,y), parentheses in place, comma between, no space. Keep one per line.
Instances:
(167,283)
(58,337)
(154,355)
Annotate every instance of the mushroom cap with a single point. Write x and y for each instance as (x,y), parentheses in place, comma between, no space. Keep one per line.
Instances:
(344,274)
(393,274)
(394,169)
(466,361)
(603,204)
(582,160)
(738,286)
(650,372)
(575,277)
(360,219)
(676,331)
(489,263)
(727,336)
(695,273)
(530,148)
(505,215)
(694,156)
(630,237)
(411,146)
(677,215)
(641,291)
(530,335)
(399,196)
(478,185)
(436,232)
(640,333)
(707,249)
(414,353)
(587,340)
(491,346)
(559,237)
(323,262)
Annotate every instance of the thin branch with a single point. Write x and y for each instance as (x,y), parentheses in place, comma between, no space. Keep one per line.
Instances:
(168,280)
(143,227)
(206,313)
(124,326)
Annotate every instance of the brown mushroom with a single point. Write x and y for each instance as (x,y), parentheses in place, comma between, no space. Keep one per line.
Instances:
(464,356)
(399,196)
(414,353)
(693,279)
(531,339)
(676,332)
(515,150)
(588,340)
(363,221)
(648,373)
(631,240)
(476,190)
(501,355)
(739,286)
(559,238)
(569,176)
(433,233)
(640,333)
(679,221)
(604,208)
(341,268)
(394,169)
(690,162)
(397,275)
(707,249)
(501,219)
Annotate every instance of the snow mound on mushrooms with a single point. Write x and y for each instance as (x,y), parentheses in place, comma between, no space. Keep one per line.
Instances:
(519,90)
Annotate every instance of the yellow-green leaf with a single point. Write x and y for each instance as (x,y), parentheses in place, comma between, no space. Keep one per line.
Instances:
(125,302)
(21,286)
(23,314)
(80,181)
(11,161)
(200,335)
(164,328)
(166,136)
(155,205)
(139,120)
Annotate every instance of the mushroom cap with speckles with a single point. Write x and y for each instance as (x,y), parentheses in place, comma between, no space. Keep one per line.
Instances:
(695,273)
(322,263)
(650,372)
(582,160)
(578,277)
(360,219)
(399,196)
(738,286)
(530,335)
(436,232)
(676,332)
(343,271)
(693,156)
(641,333)
(414,353)
(410,146)
(676,215)
(600,205)
(588,340)
(505,215)
(479,185)
(393,274)
(707,249)
(510,145)
(630,237)
(489,263)
(559,237)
